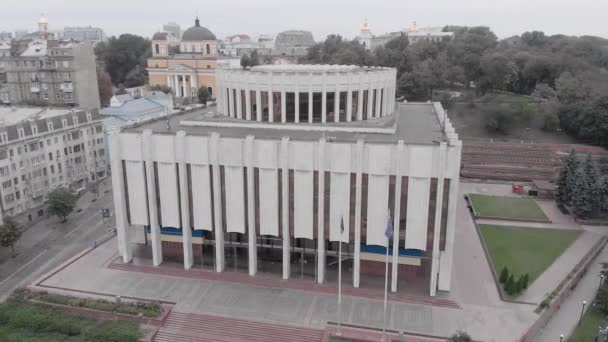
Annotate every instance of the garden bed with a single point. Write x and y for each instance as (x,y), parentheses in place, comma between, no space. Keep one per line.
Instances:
(28,322)
(507,207)
(145,312)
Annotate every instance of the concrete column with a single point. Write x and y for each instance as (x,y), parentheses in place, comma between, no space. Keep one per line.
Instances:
(239,103)
(445,268)
(148,152)
(258,104)
(438,213)
(387,101)
(247,103)
(360,103)
(120,202)
(251,233)
(320,214)
(214,146)
(297,106)
(285,206)
(370,101)
(169,81)
(358,195)
(180,153)
(324,102)
(378,101)
(397,215)
(337,106)
(349,104)
(310,92)
(270,106)
(230,107)
(283,106)
(191,85)
(176,85)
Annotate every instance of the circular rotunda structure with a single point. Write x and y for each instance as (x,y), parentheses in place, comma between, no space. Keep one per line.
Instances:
(307,94)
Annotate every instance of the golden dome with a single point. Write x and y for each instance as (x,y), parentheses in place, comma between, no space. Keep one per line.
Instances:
(365,27)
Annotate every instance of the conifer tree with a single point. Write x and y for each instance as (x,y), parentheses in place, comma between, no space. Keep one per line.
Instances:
(504,275)
(582,195)
(566,179)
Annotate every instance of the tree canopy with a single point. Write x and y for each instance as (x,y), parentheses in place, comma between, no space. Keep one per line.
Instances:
(9,234)
(567,73)
(125,59)
(61,203)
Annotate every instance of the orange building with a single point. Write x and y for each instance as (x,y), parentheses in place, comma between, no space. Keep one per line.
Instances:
(192,67)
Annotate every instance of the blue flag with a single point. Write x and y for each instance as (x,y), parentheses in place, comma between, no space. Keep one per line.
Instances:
(389,230)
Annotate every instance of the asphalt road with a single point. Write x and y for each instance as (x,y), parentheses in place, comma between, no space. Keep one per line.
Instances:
(49,243)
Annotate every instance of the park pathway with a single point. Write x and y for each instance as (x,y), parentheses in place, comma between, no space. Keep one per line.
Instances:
(564,321)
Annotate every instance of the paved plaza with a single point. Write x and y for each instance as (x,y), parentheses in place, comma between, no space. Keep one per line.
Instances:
(482,313)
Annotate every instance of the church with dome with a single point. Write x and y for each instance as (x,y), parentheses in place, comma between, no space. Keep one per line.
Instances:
(187,65)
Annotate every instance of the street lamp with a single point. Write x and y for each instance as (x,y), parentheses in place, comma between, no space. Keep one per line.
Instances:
(561,337)
(582,311)
(601,279)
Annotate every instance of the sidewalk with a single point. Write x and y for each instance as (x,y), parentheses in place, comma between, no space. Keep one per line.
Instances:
(565,320)
(560,268)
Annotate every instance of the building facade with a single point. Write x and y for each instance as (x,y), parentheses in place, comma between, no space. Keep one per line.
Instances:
(413,33)
(39,70)
(274,177)
(43,149)
(192,68)
(52,72)
(84,34)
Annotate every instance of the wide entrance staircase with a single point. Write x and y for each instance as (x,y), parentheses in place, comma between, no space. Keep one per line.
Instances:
(516,161)
(186,327)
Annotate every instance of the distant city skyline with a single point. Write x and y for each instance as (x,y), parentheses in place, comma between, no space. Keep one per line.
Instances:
(507,18)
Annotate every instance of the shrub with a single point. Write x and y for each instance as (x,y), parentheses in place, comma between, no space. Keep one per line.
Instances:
(504,275)
(510,285)
(517,285)
(526,278)
(114,331)
(460,336)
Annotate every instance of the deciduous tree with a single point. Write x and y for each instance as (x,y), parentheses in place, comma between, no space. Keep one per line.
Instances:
(9,234)
(61,203)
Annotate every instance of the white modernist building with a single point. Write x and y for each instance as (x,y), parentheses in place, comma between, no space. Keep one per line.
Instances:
(270,174)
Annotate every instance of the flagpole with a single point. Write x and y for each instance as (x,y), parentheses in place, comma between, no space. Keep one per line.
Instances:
(339,332)
(385,280)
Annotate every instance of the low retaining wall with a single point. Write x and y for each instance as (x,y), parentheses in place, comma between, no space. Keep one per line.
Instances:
(566,288)
(106,315)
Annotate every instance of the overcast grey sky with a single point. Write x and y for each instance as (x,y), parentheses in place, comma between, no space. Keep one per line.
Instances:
(223,17)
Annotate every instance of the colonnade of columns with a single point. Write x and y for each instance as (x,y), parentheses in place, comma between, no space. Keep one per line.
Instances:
(183,85)
(307,98)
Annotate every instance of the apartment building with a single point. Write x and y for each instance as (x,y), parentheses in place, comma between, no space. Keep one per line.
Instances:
(50,72)
(43,149)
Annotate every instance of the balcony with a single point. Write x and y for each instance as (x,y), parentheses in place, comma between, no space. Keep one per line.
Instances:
(35,87)
(67,87)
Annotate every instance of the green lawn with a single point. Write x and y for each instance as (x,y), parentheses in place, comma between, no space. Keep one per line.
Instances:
(525,250)
(507,207)
(588,329)
(23,322)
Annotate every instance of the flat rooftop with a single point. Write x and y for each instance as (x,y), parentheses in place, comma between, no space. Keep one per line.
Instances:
(414,123)
(13,115)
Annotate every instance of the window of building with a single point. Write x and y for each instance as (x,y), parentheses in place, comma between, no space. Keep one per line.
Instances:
(16,180)
(208,49)
(50,155)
